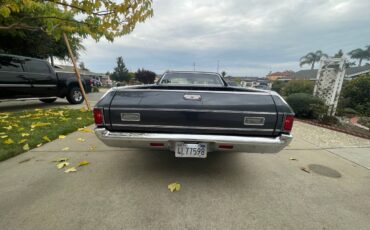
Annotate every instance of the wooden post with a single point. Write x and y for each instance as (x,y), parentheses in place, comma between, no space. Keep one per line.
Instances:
(76,71)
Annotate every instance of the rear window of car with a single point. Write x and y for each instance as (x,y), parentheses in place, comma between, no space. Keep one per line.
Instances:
(36,66)
(10,64)
(198,79)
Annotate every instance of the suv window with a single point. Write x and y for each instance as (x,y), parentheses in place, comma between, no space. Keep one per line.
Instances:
(36,66)
(10,64)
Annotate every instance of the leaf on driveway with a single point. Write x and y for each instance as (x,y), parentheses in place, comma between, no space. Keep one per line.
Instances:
(62,159)
(82,163)
(304,169)
(8,141)
(92,148)
(81,139)
(71,169)
(25,134)
(39,145)
(65,149)
(174,187)
(293,159)
(62,136)
(86,130)
(46,138)
(26,147)
(62,165)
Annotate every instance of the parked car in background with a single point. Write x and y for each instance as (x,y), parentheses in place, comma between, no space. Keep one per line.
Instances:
(193,113)
(25,78)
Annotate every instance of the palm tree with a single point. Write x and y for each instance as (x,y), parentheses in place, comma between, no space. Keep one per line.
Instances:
(311,58)
(223,74)
(360,54)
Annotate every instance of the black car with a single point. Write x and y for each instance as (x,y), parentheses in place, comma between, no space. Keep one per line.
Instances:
(25,78)
(193,113)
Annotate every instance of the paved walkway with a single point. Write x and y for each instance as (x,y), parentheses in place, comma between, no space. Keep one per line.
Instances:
(127,189)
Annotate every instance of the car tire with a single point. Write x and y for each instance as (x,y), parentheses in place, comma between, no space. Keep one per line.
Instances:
(48,100)
(75,96)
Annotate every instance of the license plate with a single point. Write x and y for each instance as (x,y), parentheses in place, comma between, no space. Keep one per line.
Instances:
(191,150)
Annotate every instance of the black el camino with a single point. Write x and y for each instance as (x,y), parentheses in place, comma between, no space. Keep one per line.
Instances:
(193,113)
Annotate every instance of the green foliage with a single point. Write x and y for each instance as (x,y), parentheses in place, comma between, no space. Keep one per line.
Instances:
(306,106)
(278,86)
(356,95)
(99,18)
(145,76)
(339,54)
(311,58)
(223,74)
(298,86)
(364,121)
(120,72)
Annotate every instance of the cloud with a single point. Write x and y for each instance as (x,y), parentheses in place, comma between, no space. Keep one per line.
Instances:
(247,37)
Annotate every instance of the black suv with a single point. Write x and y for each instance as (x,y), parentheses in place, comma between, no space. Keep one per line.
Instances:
(25,78)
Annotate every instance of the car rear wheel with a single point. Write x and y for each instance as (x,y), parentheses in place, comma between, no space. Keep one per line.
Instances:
(48,100)
(75,96)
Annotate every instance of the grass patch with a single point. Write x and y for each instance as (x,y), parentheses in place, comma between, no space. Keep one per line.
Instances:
(19,130)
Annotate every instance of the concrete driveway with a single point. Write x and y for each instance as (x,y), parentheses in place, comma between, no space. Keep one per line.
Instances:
(127,189)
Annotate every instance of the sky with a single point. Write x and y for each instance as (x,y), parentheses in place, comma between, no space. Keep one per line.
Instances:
(246,37)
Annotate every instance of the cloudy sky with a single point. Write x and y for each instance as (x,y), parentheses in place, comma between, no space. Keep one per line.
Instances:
(248,37)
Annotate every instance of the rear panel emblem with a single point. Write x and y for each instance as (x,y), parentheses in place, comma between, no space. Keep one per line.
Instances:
(192,97)
(254,121)
(130,116)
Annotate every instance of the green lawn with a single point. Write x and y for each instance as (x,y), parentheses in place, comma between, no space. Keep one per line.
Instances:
(29,129)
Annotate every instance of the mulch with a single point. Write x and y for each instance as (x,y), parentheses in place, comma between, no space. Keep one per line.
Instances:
(335,128)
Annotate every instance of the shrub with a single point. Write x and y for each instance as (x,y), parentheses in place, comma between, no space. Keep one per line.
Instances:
(307,106)
(329,120)
(298,86)
(356,94)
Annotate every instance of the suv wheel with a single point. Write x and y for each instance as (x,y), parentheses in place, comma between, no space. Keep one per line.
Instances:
(75,96)
(48,100)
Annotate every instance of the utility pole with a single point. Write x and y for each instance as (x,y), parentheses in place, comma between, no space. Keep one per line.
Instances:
(194,66)
(218,66)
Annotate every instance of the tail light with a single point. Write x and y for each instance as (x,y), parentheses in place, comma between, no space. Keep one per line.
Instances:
(98,116)
(288,123)
(90,82)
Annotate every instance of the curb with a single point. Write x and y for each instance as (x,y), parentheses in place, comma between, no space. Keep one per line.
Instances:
(335,129)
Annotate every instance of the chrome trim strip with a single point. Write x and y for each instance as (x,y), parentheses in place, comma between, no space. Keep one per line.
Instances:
(16,85)
(195,110)
(191,127)
(41,86)
(193,91)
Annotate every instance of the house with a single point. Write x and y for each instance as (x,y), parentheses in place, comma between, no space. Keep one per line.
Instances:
(311,74)
(103,78)
(277,75)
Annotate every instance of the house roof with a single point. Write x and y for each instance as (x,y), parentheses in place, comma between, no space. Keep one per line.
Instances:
(70,69)
(309,74)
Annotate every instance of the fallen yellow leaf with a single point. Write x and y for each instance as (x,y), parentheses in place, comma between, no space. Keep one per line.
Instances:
(39,124)
(62,136)
(3,137)
(2,133)
(62,164)
(83,110)
(81,139)
(174,187)
(22,141)
(65,149)
(25,134)
(8,141)
(93,147)
(82,163)
(71,169)
(46,138)
(39,145)
(26,147)
(79,118)
(8,127)
(20,129)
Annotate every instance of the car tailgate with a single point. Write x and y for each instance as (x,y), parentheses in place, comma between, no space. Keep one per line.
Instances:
(188,111)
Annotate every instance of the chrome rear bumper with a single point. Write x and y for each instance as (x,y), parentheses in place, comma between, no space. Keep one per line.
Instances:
(238,143)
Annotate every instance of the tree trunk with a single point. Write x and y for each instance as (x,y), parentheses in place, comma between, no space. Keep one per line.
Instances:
(359,63)
(52,60)
(313,65)
(77,71)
